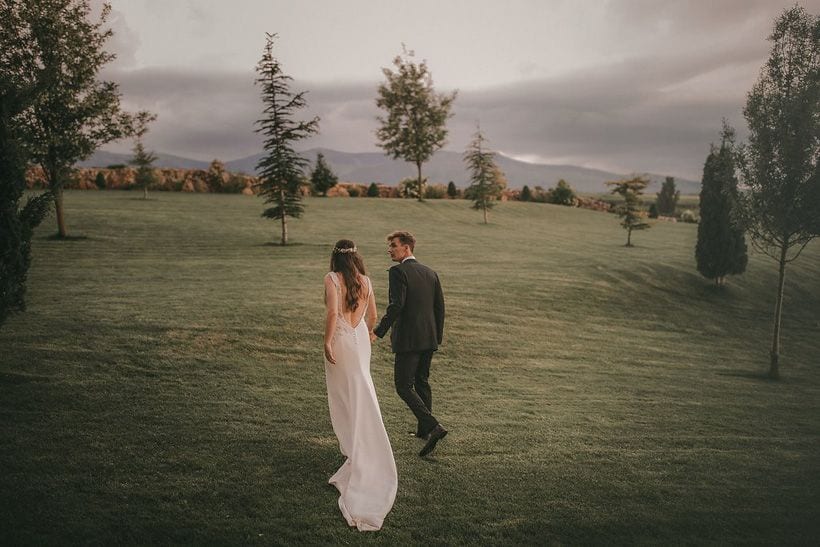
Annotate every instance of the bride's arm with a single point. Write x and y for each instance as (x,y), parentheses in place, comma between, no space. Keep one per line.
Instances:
(330,317)
(372,312)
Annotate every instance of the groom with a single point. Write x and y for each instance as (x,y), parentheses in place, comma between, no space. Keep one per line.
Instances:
(416,313)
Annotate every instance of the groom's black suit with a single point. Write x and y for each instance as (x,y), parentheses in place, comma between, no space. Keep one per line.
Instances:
(416,313)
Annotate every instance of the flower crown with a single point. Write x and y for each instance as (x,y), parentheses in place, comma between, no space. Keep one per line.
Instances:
(348,250)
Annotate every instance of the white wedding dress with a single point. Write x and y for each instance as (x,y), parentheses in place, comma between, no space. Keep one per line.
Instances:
(367,480)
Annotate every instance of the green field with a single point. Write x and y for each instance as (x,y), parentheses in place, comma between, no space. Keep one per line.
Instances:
(166,384)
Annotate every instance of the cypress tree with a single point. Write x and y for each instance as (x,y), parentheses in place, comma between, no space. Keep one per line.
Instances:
(99,180)
(668,197)
(721,246)
(526,193)
(452,191)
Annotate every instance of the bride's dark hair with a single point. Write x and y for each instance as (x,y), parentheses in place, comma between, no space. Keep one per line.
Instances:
(345,259)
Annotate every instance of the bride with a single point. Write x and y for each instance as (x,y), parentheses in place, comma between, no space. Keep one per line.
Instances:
(367,480)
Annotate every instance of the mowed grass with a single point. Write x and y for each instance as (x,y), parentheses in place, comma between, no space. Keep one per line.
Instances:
(166,384)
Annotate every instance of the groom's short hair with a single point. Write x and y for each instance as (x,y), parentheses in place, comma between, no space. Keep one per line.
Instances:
(406,238)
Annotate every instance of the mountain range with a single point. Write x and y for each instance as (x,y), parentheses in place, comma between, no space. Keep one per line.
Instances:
(445,166)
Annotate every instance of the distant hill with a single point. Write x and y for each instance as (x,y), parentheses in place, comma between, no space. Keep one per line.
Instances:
(102,158)
(448,166)
(366,167)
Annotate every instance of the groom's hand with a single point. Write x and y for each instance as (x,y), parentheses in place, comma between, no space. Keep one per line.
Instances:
(372,336)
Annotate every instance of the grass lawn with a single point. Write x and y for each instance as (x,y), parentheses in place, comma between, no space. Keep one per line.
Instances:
(166,384)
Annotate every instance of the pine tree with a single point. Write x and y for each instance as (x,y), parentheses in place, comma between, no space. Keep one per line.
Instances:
(143,160)
(281,169)
(414,127)
(667,199)
(526,193)
(630,211)
(322,177)
(781,202)
(452,191)
(487,180)
(373,190)
(721,246)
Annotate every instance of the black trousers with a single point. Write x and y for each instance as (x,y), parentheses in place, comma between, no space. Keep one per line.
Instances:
(411,374)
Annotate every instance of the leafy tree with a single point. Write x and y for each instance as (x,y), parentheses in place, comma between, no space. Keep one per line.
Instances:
(526,194)
(281,169)
(781,205)
(486,179)
(354,191)
(452,191)
(562,194)
(19,90)
(435,191)
(100,181)
(414,125)
(373,190)
(74,112)
(408,188)
(322,177)
(667,198)
(653,210)
(143,160)
(630,211)
(721,246)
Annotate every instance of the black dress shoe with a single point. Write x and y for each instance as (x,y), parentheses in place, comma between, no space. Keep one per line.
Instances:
(436,435)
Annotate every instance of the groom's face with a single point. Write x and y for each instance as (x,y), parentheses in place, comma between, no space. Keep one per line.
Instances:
(397,251)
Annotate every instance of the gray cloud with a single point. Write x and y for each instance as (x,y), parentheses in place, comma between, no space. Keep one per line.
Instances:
(655,106)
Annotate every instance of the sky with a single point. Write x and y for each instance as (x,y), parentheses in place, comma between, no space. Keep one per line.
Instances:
(620,85)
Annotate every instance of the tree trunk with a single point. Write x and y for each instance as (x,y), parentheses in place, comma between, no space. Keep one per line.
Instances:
(774,365)
(145,192)
(58,208)
(629,237)
(485,214)
(284,219)
(421,182)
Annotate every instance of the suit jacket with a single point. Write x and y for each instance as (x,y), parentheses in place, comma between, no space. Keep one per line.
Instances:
(416,308)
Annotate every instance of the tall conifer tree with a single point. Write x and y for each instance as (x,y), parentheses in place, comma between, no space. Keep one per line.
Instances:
(668,198)
(721,246)
(143,159)
(281,170)
(322,177)
(487,180)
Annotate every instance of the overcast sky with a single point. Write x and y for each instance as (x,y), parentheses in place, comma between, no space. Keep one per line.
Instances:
(622,85)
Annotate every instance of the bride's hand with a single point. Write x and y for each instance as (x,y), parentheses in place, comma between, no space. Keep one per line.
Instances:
(372,337)
(329,354)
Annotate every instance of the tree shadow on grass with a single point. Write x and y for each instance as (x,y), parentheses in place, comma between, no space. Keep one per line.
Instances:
(58,237)
(750,374)
(277,244)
